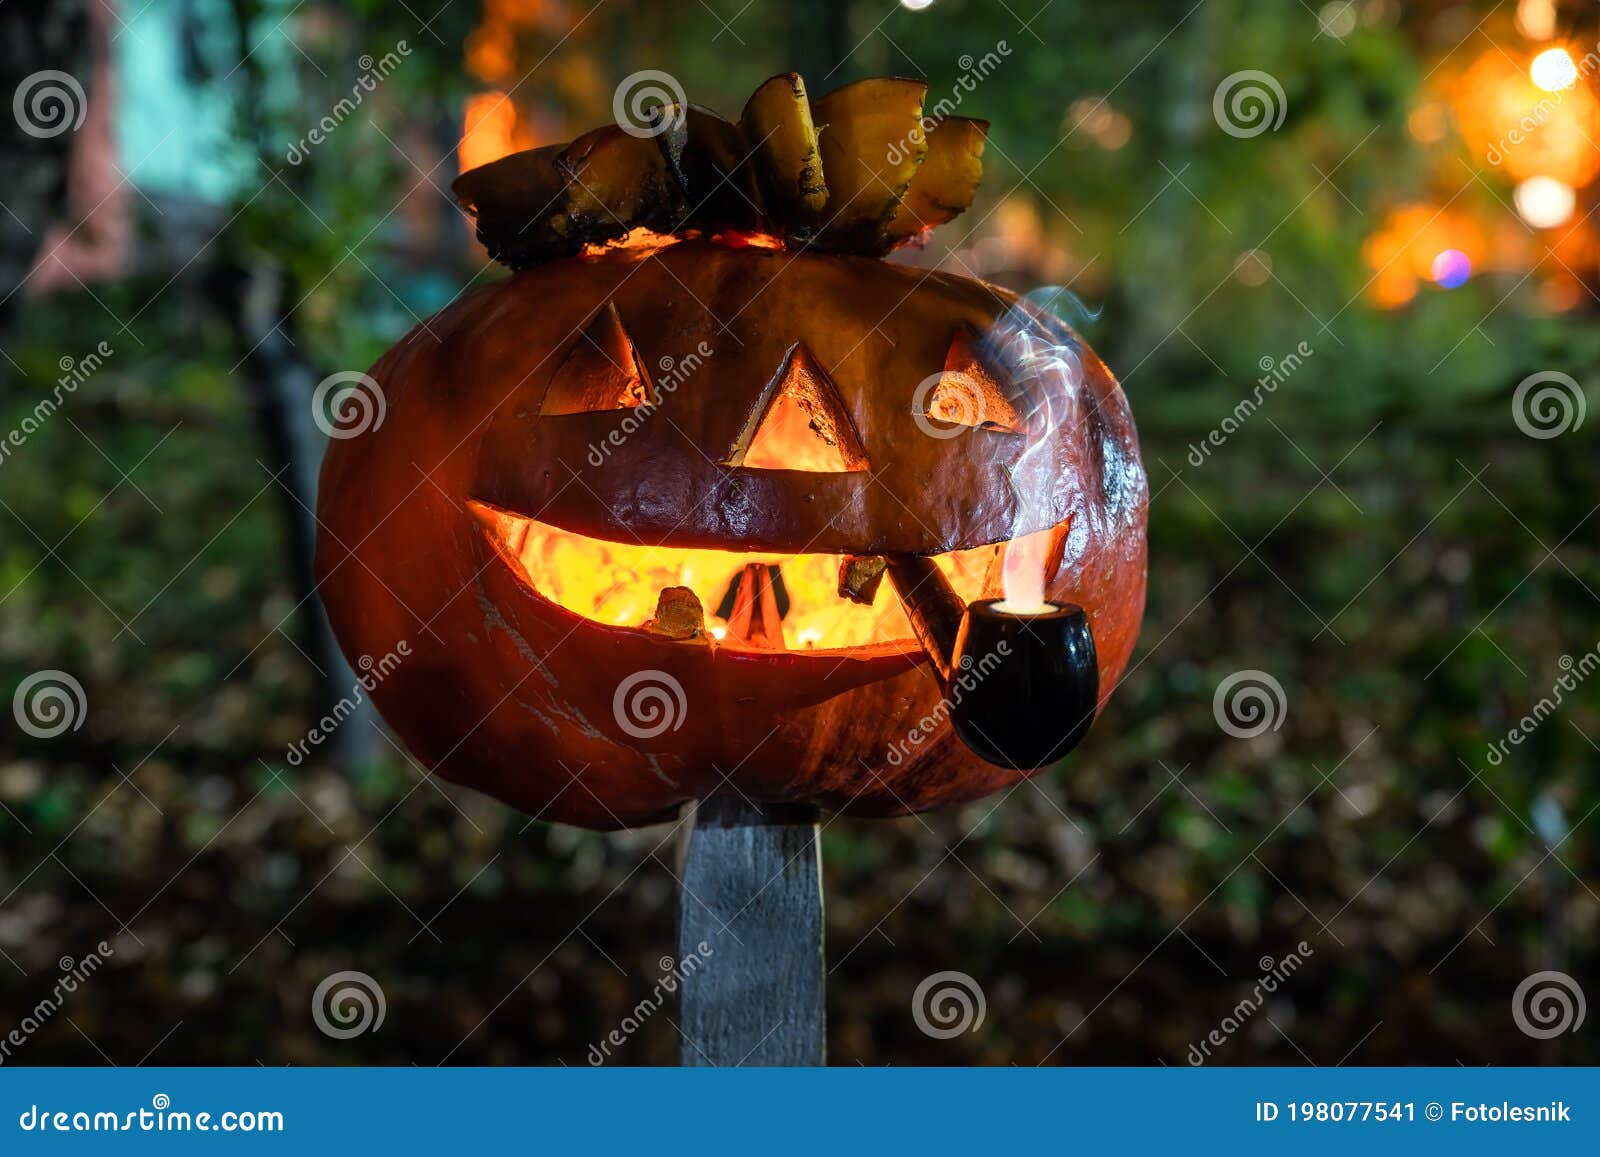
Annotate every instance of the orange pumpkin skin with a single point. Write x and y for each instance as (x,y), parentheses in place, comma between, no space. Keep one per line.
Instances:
(509,692)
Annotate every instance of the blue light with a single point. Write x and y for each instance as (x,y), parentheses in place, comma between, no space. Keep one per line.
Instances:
(1451,268)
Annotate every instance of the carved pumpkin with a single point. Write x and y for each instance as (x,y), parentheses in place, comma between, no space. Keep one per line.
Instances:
(625,506)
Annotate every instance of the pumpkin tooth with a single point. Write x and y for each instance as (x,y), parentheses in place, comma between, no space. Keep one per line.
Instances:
(679,615)
(860,576)
(872,143)
(782,138)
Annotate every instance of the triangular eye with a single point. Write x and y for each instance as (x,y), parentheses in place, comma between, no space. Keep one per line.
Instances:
(967,394)
(799,423)
(601,371)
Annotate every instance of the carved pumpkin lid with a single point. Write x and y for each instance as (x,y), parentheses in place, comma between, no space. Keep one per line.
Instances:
(859,171)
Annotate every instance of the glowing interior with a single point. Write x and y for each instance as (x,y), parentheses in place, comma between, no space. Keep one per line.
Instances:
(785,441)
(799,424)
(618,584)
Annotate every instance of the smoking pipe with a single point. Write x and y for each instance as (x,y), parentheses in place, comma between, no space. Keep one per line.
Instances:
(1022,688)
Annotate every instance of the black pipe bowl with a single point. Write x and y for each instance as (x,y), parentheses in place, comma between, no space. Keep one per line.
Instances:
(1023,688)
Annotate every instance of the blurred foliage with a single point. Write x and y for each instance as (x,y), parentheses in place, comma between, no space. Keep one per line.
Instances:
(1379,537)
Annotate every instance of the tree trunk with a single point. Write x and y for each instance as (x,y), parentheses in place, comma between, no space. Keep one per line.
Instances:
(279,384)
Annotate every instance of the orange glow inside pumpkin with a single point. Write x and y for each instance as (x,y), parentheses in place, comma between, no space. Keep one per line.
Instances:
(618,583)
(785,441)
(803,426)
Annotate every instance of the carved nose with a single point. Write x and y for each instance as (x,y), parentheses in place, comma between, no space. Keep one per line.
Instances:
(799,422)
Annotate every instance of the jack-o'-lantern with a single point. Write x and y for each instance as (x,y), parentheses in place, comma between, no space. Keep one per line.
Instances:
(631,508)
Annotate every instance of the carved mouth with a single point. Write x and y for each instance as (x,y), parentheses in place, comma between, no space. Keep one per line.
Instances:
(756,601)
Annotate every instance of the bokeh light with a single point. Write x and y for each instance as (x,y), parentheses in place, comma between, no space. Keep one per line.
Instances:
(1554,70)
(1450,268)
(1512,123)
(1253,267)
(1545,202)
(1417,243)
(1095,117)
(1338,18)
(1428,122)
(1536,19)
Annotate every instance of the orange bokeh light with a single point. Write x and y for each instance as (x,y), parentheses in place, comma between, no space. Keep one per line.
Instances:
(1403,252)
(491,130)
(1512,123)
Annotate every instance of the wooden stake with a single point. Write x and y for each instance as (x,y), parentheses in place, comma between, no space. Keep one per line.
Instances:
(750,910)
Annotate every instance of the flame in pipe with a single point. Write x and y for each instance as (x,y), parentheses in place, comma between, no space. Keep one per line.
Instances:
(1049,374)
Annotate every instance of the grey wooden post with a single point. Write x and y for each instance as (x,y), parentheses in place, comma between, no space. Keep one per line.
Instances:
(751,912)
